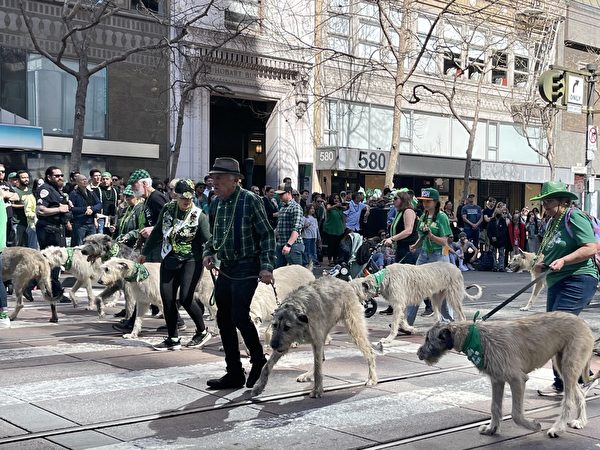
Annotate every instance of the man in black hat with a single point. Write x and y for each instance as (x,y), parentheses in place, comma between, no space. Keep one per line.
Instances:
(244,242)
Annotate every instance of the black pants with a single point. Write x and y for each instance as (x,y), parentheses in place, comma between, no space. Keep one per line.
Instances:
(52,235)
(233,298)
(183,276)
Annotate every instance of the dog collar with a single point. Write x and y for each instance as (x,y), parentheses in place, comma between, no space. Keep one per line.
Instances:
(112,252)
(139,273)
(69,262)
(472,345)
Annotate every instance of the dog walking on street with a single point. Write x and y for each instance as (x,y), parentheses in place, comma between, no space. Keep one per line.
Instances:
(508,350)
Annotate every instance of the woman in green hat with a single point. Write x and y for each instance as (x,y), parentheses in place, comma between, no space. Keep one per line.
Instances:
(566,251)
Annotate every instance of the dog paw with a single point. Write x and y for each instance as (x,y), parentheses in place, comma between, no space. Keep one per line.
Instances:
(129,336)
(524,308)
(577,424)
(488,430)
(371,382)
(304,378)
(257,389)
(316,393)
(552,432)
(53,320)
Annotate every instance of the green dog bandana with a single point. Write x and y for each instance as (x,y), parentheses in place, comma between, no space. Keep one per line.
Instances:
(112,252)
(69,262)
(139,273)
(472,345)
(378,277)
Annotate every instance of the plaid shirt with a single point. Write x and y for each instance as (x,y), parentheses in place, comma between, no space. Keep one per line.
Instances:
(290,219)
(257,236)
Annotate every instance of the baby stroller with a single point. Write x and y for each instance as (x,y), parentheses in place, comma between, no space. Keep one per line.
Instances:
(356,260)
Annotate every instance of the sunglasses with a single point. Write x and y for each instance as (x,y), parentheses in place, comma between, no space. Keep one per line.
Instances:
(2,171)
(58,175)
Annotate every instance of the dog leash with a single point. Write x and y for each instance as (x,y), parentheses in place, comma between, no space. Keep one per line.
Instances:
(221,273)
(512,297)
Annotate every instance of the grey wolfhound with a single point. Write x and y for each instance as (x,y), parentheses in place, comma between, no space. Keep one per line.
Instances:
(21,265)
(146,292)
(509,350)
(307,315)
(404,284)
(524,262)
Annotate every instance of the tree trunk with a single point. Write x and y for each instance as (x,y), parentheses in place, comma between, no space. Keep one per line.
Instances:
(185,96)
(79,122)
(403,44)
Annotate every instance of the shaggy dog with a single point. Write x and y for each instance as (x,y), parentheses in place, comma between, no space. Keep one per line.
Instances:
(84,271)
(523,262)
(145,292)
(509,350)
(307,315)
(405,284)
(21,265)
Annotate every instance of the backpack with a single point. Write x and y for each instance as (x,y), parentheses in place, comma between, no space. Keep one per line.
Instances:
(595,223)
(485,262)
(363,253)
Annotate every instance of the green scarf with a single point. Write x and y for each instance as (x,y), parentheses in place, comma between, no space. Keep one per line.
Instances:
(139,273)
(472,345)
(378,277)
(112,252)
(69,262)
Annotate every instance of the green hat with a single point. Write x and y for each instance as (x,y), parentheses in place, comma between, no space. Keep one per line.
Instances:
(137,175)
(414,201)
(106,174)
(12,175)
(128,191)
(429,194)
(185,189)
(554,189)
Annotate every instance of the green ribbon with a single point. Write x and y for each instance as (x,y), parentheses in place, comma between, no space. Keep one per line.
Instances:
(112,252)
(139,273)
(472,345)
(69,262)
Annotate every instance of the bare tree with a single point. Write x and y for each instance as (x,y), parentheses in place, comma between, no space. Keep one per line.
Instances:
(81,21)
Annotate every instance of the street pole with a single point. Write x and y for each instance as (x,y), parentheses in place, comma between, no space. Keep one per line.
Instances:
(589,189)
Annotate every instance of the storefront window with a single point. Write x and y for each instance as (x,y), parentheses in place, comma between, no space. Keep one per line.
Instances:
(51,98)
(513,147)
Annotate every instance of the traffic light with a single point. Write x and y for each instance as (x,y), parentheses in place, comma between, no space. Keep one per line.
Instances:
(552,86)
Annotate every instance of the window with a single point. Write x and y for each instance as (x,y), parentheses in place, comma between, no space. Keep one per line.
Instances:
(13,88)
(369,40)
(152,5)
(338,28)
(330,125)
(500,68)
(452,49)
(476,54)
(242,14)
(521,67)
(51,98)
(427,62)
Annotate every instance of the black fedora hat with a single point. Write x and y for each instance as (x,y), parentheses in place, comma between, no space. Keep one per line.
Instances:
(226,165)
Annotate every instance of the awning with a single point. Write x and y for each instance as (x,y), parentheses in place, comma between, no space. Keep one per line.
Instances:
(21,137)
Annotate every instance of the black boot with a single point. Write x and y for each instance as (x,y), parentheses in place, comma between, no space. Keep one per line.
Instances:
(254,374)
(389,311)
(227,381)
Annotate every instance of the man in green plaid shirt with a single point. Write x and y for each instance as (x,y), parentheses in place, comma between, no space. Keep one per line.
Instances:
(289,226)
(244,242)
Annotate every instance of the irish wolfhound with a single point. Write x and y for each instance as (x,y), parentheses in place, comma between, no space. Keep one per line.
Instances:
(405,284)
(509,350)
(21,265)
(307,315)
(523,262)
(145,292)
(264,303)
(75,263)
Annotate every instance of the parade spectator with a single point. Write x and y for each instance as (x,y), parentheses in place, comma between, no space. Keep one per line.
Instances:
(23,210)
(532,227)
(200,200)
(568,256)
(247,255)
(12,179)
(517,232)
(9,196)
(353,213)
(455,254)
(255,190)
(117,183)
(459,214)
(449,210)
(468,252)
(85,208)
(290,246)
(524,214)
(434,230)
(488,214)
(109,197)
(472,218)
(209,182)
(497,232)
(179,234)
(310,236)
(320,211)
(68,187)
(304,199)
(333,227)
(53,213)
(271,206)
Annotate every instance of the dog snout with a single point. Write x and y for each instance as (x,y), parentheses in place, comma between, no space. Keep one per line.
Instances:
(421,353)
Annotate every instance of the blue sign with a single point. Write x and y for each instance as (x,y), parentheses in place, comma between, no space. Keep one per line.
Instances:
(21,137)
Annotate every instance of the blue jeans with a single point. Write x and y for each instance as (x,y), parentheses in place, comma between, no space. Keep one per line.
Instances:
(411,310)
(101,223)
(310,251)
(498,254)
(570,295)
(80,232)
(472,235)
(293,257)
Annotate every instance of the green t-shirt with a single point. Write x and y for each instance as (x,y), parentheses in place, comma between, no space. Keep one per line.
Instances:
(334,223)
(439,228)
(561,243)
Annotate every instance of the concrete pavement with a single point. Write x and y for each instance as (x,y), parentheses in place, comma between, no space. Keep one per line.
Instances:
(77,384)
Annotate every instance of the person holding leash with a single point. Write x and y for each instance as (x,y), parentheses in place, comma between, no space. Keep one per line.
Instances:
(244,243)
(568,249)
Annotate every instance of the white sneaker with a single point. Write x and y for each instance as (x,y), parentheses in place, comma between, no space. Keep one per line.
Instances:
(462,268)
(550,391)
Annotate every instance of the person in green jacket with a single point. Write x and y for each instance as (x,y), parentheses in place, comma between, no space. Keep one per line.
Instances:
(334,226)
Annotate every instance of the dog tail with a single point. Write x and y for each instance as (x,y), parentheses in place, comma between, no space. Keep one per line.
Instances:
(475,296)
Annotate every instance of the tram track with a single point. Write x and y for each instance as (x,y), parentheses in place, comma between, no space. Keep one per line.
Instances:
(205,409)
